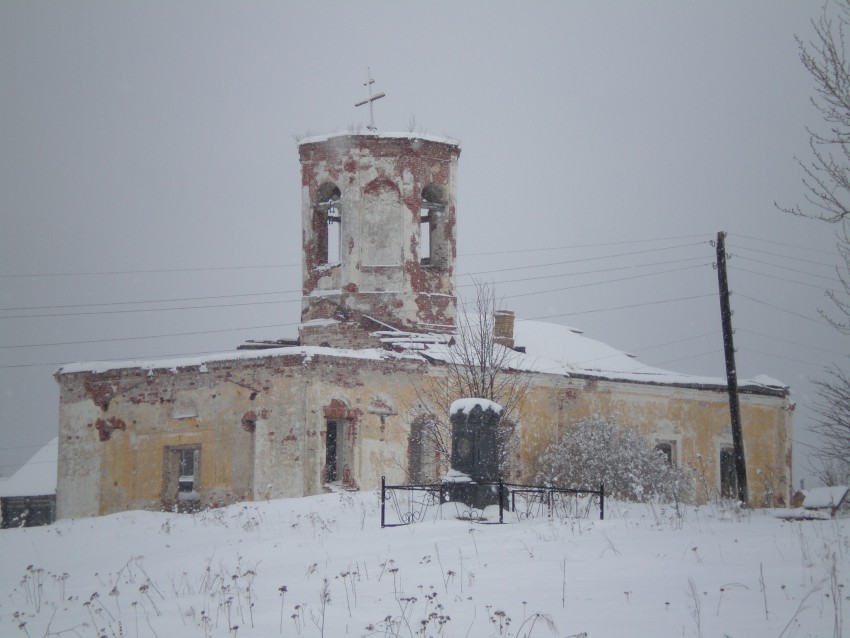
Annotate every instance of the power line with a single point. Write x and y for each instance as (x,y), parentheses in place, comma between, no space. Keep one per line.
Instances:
(161,336)
(790,281)
(769,305)
(796,270)
(95,273)
(137,310)
(779,356)
(256,303)
(583,259)
(692,356)
(785,341)
(144,301)
(590,272)
(780,243)
(575,246)
(599,283)
(786,256)
(636,305)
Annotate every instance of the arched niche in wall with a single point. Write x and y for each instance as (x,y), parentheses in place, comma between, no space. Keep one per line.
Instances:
(381,219)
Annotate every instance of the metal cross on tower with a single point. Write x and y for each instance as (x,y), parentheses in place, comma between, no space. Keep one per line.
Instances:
(369,100)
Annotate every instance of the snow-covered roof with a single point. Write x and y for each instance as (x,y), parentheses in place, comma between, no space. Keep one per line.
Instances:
(565,348)
(200,361)
(37,477)
(825,497)
(549,349)
(388,134)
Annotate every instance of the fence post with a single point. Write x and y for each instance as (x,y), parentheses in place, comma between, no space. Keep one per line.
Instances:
(383,495)
(501,501)
(602,502)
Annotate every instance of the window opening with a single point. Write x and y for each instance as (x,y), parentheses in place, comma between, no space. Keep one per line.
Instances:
(728,477)
(328,224)
(181,478)
(431,251)
(425,237)
(330,452)
(186,476)
(334,228)
(667,448)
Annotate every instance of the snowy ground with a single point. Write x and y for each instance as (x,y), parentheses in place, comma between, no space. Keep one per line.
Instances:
(322,566)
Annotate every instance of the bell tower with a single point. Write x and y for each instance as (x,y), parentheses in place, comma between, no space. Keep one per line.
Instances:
(378,236)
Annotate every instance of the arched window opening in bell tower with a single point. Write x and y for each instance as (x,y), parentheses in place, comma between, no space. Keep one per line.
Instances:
(432,243)
(327,225)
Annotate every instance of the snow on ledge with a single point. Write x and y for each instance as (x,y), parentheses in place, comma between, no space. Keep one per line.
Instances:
(201,361)
(465,406)
(315,139)
(456,476)
(766,381)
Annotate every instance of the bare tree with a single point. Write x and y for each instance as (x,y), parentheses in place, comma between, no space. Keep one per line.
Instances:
(476,366)
(826,177)
(832,453)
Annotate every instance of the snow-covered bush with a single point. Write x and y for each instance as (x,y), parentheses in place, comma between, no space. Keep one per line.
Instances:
(599,450)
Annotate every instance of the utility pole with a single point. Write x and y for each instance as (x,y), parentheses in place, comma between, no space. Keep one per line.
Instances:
(731,372)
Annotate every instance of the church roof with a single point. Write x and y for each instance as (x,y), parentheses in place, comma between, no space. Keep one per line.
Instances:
(548,349)
(37,477)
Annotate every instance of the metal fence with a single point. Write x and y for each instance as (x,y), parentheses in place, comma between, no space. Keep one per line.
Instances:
(406,504)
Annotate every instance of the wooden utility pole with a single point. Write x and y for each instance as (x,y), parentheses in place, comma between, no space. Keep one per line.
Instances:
(731,372)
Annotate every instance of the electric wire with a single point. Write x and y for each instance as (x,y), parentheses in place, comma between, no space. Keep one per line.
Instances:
(576,246)
(624,307)
(144,301)
(599,283)
(590,272)
(160,336)
(95,273)
(138,310)
(790,281)
(786,256)
(583,259)
(784,310)
(212,297)
(783,340)
(780,243)
(796,270)
(779,356)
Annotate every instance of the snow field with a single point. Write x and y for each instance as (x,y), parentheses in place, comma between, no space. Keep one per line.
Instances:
(322,566)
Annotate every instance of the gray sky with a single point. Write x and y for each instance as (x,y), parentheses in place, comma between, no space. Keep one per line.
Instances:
(160,136)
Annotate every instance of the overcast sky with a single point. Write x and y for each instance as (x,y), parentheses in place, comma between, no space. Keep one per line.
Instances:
(149,154)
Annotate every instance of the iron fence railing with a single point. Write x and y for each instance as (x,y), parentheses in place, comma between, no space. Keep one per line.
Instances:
(406,504)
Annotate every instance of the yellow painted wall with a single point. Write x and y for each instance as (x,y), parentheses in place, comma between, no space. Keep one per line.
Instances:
(284,400)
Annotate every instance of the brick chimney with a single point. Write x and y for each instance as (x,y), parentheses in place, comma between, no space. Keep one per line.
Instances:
(504,328)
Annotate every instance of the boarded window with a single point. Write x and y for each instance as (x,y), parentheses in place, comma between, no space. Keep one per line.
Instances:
(421,452)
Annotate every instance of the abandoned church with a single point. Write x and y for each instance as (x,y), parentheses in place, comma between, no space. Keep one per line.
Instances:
(342,404)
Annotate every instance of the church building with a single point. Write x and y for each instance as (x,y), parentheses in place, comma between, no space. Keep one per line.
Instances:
(339,407)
